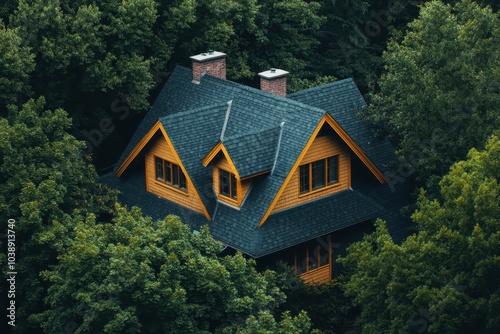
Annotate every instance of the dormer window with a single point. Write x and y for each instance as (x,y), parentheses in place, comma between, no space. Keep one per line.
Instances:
(319,174)
(228,185)
(170,174)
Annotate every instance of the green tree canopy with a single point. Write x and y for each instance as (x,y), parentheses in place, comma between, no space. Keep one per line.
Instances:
(6,8)
(257,35)
(43,178)
(16,65)
(91,48)
(88,47)
(444,279)
(440,94)
(135,275)
(95,58)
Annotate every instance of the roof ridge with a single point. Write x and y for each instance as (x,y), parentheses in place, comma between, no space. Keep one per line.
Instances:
(260,92)
(330,84)
(193,111)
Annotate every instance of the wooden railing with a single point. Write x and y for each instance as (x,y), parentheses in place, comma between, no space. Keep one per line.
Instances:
(319,275)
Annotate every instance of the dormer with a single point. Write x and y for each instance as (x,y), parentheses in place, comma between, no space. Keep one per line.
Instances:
(227,183)
(322,168)
(237,160)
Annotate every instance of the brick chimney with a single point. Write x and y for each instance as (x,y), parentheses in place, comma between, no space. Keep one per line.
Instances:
(274,81)
(211,62)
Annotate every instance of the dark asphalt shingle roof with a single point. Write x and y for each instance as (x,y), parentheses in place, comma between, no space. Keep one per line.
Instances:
(282,229)
(295,225)
(193,116)
(133,193)
(343,101)
(252,112)
(193,141)
(253,152)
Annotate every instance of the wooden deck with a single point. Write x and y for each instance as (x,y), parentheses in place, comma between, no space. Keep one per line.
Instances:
(319,275)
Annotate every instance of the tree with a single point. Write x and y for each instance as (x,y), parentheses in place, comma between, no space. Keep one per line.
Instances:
(43,178)
(16,64)
(444,279)
(257,35)
(85,49)
(265,323)
(440,95)
(287,37)
(346,50)
(98,60)
(354,35)
(6,8)
(135,275)
(329,309)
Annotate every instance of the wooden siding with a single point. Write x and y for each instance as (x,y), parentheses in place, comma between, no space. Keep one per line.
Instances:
(322,147)
(316,276)
(222,163)
(243,187)
(187,199)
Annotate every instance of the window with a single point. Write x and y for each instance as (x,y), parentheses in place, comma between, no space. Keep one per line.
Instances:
(170,174)
(159,169)
(313,255)
(228,184)
(319,174)
(304,179)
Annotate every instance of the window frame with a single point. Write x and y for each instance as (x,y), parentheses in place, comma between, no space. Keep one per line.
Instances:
(171,175)
(232,184)
(313,255)
(328,172)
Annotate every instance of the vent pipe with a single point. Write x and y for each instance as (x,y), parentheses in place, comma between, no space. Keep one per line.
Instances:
(228,111)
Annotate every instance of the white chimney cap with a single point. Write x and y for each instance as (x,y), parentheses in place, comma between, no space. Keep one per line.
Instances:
(211,55)
(273,73)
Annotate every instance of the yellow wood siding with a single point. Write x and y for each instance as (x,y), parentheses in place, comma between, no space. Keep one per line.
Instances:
(322,147)
(221,163)
(187,199)
(224,164)
(319,275)
(243,186)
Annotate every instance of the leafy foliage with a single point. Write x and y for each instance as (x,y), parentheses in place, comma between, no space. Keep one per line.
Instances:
(91,55)
(43,178)
(440,95)
(16,64)
(7,7)
(265,323)
(135,275)
(444,279)
(345,49)
(329,309)
(84,48)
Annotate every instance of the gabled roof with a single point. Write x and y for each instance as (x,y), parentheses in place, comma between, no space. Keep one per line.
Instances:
(343,101)
(193,115)
(191,140)
(251,153)
(252,111)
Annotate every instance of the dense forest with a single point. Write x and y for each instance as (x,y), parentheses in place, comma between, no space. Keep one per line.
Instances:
(76,78)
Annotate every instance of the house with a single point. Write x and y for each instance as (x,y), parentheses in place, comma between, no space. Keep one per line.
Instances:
(269,173)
